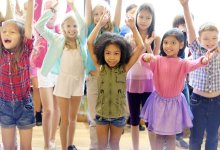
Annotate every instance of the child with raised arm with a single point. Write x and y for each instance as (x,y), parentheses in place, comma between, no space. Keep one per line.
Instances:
(69,48)
(93,15)
(139,80)
(111,56)
(17,109)
(205,81)
(45,84)
(166,110)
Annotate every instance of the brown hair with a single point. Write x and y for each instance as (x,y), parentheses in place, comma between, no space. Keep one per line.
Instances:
(207,27)
(18,50)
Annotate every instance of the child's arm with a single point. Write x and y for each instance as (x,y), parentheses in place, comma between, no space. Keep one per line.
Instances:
(189,22)
(130,21)
(117,17)
(10,11)
(41,27)
(147,57)
(81,22)
(90,42)
(29,19)
(88,12)
(149,40)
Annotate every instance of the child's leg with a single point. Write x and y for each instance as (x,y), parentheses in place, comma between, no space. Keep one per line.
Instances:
(213,124)
(159,142)
(8,138)
(64,111)
(55,119)
(47,103)
(171,140)
(25,139)
(115,136)
(91,85)
(102,136)
(36,100)
(74,108)
(152,139)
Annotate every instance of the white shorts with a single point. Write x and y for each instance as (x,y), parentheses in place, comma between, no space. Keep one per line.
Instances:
(46,82)
(67,86)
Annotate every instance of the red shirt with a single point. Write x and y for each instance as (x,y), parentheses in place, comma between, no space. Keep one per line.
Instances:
(15,85)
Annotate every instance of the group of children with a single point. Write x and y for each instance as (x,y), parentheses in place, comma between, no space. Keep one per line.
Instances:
(139,68)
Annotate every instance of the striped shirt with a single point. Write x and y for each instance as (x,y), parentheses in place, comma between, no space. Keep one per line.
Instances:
(15,85)
(205,79)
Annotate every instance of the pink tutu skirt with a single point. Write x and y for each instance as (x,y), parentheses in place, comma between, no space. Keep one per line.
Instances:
(167,116)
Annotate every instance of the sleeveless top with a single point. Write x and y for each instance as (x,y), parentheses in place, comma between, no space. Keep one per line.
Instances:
(111,101)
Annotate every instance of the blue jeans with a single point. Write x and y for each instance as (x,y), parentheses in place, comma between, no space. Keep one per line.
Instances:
(17,114)
(206,112)
(118,122)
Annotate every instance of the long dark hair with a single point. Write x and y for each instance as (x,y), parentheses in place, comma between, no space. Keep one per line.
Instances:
(148,7)
(178,34)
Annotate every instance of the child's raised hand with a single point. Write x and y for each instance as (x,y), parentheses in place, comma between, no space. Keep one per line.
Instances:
(54,5)
(104,18)
(148,40)
(208,56)
(184,2)
(130,21)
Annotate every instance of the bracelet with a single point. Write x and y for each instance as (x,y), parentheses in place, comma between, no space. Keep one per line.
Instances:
(53,10)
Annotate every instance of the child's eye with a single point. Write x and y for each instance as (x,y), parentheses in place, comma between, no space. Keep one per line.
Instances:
(173,43)
(165,42)
(141,17)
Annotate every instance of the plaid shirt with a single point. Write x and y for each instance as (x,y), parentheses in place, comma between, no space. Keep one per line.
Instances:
(205,79)
(15,86)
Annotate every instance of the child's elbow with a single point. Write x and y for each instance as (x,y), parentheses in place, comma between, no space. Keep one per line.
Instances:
(88,43)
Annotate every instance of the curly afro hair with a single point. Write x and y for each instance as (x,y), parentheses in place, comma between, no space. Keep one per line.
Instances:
(112,38)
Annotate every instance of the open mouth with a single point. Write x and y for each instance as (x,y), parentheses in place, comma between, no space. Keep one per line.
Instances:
(7,41)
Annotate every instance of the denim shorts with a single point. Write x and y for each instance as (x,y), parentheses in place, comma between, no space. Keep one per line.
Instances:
(118,122)
(18,114)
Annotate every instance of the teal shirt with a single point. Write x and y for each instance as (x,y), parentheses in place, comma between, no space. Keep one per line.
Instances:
(111,101)
(56,43)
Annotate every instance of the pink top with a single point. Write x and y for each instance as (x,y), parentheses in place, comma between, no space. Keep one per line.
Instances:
(139,79)
(39,52)
(170,73)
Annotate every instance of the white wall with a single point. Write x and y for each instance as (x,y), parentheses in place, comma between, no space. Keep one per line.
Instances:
(165,10)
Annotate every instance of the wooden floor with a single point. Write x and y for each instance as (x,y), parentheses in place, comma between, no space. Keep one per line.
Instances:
(82,138)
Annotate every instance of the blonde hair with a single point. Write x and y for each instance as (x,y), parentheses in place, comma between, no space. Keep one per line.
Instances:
(68,41)
(207,27)
(109,24)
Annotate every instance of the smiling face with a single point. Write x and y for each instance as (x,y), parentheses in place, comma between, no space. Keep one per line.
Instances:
(209,39)
(144,19)
(70,28)
(112,55)
(97,13)
(10,35)
(171,46)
